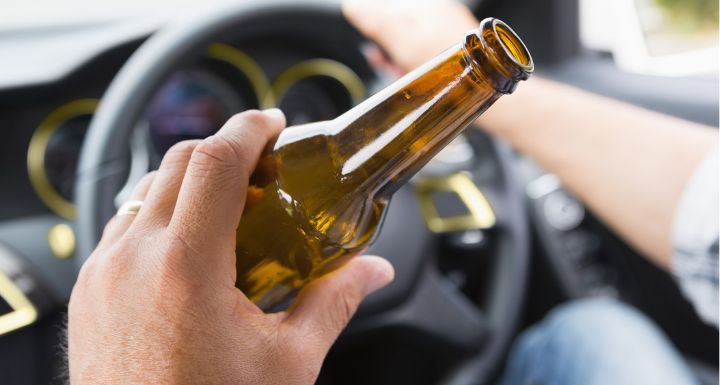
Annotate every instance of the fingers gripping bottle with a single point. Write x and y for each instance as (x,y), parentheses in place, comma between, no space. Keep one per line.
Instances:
(319,194)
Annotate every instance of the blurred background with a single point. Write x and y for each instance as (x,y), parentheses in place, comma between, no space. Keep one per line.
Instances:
(663,37)
(58,59)
(641,32)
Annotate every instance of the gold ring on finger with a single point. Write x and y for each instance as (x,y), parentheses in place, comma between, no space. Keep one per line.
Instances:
(131,207)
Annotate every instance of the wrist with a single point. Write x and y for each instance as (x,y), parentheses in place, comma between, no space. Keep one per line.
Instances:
(513,114)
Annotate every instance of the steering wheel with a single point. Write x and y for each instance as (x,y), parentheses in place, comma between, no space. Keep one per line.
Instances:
(477,324)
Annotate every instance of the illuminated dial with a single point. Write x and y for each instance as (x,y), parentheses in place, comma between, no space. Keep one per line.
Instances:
(193,104)
(317,89)
(63,152)
(314,99)
(54,152)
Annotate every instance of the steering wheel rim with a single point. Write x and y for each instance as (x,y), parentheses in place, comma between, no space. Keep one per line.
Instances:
(103,164)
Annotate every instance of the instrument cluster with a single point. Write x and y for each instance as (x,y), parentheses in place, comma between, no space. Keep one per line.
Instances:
(193,103)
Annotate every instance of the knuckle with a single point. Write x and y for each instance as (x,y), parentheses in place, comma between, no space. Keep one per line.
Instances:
(103,272)
(108,228)
(143,185)
(86,272)
(183,148)
(116,263)
(147,178)
(180,151)
(352,294)
(343,309)
(346,308)
(215,151)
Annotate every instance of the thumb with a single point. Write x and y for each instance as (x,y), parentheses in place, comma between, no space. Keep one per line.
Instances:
(325,306)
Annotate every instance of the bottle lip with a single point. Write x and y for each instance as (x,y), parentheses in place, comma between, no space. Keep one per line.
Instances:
(500,54)
(512,45)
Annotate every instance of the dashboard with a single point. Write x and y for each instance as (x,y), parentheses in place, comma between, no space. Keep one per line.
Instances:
(46,135)
(52,82)
(45,117)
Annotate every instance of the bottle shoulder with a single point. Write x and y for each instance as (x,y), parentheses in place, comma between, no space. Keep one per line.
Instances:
(315,193)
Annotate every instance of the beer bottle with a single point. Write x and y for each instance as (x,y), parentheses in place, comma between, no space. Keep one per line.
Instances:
(319,195)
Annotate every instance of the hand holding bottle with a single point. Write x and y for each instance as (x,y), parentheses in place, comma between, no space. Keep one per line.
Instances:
(156,302)
(325,185)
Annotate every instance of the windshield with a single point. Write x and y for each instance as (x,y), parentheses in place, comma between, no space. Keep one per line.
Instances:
(54,13)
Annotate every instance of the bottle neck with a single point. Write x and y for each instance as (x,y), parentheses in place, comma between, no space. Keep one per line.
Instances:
(386,139)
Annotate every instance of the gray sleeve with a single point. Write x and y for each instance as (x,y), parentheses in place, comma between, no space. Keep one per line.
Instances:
(695,240)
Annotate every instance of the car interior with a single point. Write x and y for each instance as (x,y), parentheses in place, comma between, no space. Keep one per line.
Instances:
(88,108)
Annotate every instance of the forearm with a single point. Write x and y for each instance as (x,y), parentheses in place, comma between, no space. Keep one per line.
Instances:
(627,164)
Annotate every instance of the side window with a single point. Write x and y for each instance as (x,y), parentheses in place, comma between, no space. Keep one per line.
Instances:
(659,37)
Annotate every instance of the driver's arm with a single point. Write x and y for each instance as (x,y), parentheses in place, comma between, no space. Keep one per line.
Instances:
(629,165)
(650,177)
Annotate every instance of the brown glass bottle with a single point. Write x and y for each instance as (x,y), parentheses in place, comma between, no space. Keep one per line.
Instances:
(320,194)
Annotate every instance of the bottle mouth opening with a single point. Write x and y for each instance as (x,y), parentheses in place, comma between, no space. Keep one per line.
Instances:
(499,54)
(514,48)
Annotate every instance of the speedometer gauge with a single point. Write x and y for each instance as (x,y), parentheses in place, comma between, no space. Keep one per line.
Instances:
(317,89)
(196,101)
(193,104)
(62,154)
(54,152)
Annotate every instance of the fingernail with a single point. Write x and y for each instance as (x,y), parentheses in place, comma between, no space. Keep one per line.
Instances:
(382,276)
(274,113)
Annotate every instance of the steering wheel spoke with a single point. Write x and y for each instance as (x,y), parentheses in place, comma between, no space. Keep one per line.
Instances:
(436,310)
